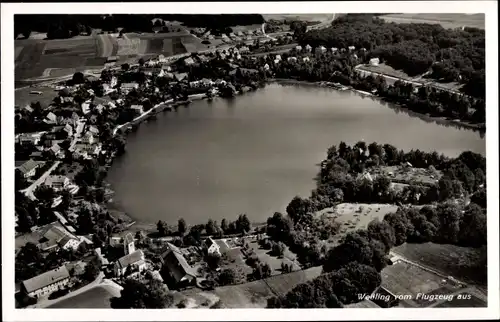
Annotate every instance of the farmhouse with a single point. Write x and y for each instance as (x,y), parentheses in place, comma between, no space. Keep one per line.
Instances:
(56,236)
(46,283)
(51,118)
(138,108)
(176,266)
(211,246)
(298,48)
(308,48)
(28,168)
(320,50)
(129,86)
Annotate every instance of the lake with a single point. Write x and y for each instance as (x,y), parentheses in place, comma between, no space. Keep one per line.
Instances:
(254,153)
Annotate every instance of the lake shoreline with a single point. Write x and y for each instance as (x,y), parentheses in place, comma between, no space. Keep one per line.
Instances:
(140,224)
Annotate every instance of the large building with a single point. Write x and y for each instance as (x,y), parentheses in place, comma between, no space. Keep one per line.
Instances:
(46,283)
(176,266)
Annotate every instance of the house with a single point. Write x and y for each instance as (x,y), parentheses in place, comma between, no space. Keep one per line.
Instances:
(112,59)
(57,182)
(278,57)
(88,138)
(79,128)
(176,266)
(28,109)
(298,48)
(28,138)
(308,48)
(320,50)
(129,86)
(46,283)
(334,49)
(103,261)
(266,67)
(56,235)
(51,118)
(305,59)
(136,262)
(28,168)
(276,61)
(68,242)
(180,76)
(211,246)
(94,130)
(351,48)
(68,129)
(374,61)
(292,59)
(56,149)
(138,108)
(244,49)
(189,61)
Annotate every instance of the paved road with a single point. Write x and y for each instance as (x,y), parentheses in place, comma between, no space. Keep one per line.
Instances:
(29,191)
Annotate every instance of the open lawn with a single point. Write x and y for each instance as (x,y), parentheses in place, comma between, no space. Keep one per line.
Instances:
(274,262)
(405,279)
(95,298)
(355,216)
(464,263)
(23,97)
(447,20)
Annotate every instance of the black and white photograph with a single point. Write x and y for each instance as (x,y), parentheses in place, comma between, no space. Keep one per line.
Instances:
(193,159)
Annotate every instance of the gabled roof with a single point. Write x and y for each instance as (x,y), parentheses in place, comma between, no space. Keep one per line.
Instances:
(176,263)
(46,279)
(131,259)
(27,166)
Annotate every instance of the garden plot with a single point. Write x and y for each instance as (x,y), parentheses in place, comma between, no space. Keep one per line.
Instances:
(274,262)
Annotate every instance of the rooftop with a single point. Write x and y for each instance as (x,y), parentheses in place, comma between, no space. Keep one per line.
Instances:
(131,258)
(46,279)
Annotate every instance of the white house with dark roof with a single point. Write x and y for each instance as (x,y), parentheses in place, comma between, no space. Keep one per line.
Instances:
(51,118)
(308,48)
(136,261)
(28,168)
(46,283)
(57,182)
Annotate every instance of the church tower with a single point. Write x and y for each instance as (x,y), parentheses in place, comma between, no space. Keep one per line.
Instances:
(128,244)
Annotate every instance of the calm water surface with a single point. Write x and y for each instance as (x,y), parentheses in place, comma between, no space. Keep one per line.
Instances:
(254,153)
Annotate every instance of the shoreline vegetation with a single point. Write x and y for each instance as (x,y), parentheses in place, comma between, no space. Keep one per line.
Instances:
(450,208)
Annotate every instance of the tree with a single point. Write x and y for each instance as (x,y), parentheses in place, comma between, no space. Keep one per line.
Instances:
(449,217)
(224,226)
(181,226)
(383,232)
(78,78)
(298,28)
(213,260)
(243,224)
(91,271)
(353,280)
(125,67)
(210,227)
(137,295)
(141,62)
(45,194)
(473,226)
(278,249)
(227,277)
(300,210)
(160,226)
(279,227)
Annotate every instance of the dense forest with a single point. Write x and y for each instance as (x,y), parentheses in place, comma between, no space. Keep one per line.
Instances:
(66,26)
(450,55)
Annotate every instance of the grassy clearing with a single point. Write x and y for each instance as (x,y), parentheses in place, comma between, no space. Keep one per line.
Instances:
(282,284)
(447,20)
(23,96)
(406,279)
(300,16)
(399,174)
(95,298)
(355,216)
(274,262)
(464,263)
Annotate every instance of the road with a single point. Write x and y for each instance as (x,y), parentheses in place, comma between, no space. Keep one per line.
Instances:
(29,191)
